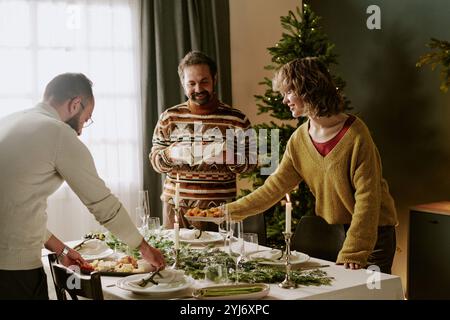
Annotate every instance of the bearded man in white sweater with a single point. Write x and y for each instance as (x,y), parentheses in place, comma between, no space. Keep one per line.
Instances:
(39,149)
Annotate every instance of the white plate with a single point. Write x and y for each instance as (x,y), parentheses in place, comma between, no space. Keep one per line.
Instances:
(124,284)
(206,236)
(249,296)
(95,249)
(99,256)
(218,220)
(271,256)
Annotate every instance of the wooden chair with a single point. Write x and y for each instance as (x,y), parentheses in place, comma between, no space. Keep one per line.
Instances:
(64,278)
(318,239)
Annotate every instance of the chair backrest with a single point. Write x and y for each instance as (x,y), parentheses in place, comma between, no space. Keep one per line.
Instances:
(257,224)
(73,283)
(315,237)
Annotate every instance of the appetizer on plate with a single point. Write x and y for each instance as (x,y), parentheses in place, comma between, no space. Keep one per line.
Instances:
(86,267)
(210,213)
(125,265)
(207,215)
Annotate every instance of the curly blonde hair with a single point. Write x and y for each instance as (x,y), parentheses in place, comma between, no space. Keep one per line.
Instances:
(309,79)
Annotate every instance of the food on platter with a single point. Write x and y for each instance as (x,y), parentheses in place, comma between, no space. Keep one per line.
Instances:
(209,213)
(124,265)
(87,267)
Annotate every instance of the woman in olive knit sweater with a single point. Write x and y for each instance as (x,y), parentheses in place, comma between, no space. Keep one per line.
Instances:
(333,152)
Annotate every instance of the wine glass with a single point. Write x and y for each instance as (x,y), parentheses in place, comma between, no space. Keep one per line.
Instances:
(251,242)
(144,202)
(236,243)
(216,272)
(154,225)
(223,226)
(223,231)
(143,218)
(143,211)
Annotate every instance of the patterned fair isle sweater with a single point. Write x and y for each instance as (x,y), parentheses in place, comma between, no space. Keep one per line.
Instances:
(201,181)
(347,184)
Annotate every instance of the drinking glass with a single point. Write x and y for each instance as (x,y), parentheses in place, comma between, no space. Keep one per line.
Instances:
(251,242)
(216,272)
(143,201)
(143,218)
(236,243)
(223,227)
(223,231)
(153,225)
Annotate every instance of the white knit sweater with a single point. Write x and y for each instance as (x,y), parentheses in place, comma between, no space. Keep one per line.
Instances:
(38,152)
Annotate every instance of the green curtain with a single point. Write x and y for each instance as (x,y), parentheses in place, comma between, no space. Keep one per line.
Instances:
(170,29)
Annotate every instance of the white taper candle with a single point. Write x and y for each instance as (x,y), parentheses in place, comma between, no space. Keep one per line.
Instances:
(177,192)
(288,214)
(176,227)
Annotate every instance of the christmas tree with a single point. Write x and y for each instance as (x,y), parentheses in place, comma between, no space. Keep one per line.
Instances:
(302,37)
(439,56)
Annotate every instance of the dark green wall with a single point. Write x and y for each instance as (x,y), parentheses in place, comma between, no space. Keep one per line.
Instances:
(408,116)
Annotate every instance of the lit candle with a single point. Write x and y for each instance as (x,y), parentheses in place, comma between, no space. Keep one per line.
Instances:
(177,192)
(176,227)
(288,214)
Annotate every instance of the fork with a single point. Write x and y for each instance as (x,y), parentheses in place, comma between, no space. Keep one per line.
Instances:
(281,256)
(148,279)
(199,235)
(78,246)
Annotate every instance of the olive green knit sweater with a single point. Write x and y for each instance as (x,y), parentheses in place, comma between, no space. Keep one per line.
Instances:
(347,183)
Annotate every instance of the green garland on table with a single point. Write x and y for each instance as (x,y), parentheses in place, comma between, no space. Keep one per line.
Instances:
(194,262)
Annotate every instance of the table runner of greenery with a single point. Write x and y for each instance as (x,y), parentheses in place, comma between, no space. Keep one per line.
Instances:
(194,261)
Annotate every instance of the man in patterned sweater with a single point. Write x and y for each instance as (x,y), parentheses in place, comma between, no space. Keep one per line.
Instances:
(203,141)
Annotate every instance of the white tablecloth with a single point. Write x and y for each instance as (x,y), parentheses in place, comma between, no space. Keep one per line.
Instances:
(347,285)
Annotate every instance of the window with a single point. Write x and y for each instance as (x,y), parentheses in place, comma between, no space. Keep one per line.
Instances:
(40,39)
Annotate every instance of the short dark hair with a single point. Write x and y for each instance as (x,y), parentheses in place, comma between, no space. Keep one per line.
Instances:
(310,79)
(68,85)
(195,58)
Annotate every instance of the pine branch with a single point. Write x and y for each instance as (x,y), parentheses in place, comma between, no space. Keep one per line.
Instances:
(439,57)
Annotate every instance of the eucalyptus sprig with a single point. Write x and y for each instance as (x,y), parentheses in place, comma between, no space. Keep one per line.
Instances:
(195,261)
(252,272)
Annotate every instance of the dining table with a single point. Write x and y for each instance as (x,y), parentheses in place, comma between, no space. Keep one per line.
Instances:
(346,284)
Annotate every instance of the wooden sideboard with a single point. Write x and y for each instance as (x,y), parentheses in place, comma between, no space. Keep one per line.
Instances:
(429,251)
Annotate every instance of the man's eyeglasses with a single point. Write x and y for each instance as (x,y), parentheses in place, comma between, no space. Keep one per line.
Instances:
(88,121)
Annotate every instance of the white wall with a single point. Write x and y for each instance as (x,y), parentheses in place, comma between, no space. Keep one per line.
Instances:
(254,26)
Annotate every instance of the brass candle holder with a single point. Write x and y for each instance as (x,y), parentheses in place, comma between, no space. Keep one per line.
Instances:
(287,282)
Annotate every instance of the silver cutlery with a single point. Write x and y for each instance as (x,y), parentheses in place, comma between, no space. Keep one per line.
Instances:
(149,278)
(281,256)
(78,246)
(199,234)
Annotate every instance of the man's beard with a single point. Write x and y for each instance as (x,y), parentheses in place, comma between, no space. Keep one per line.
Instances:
(74,122)
(201,101)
